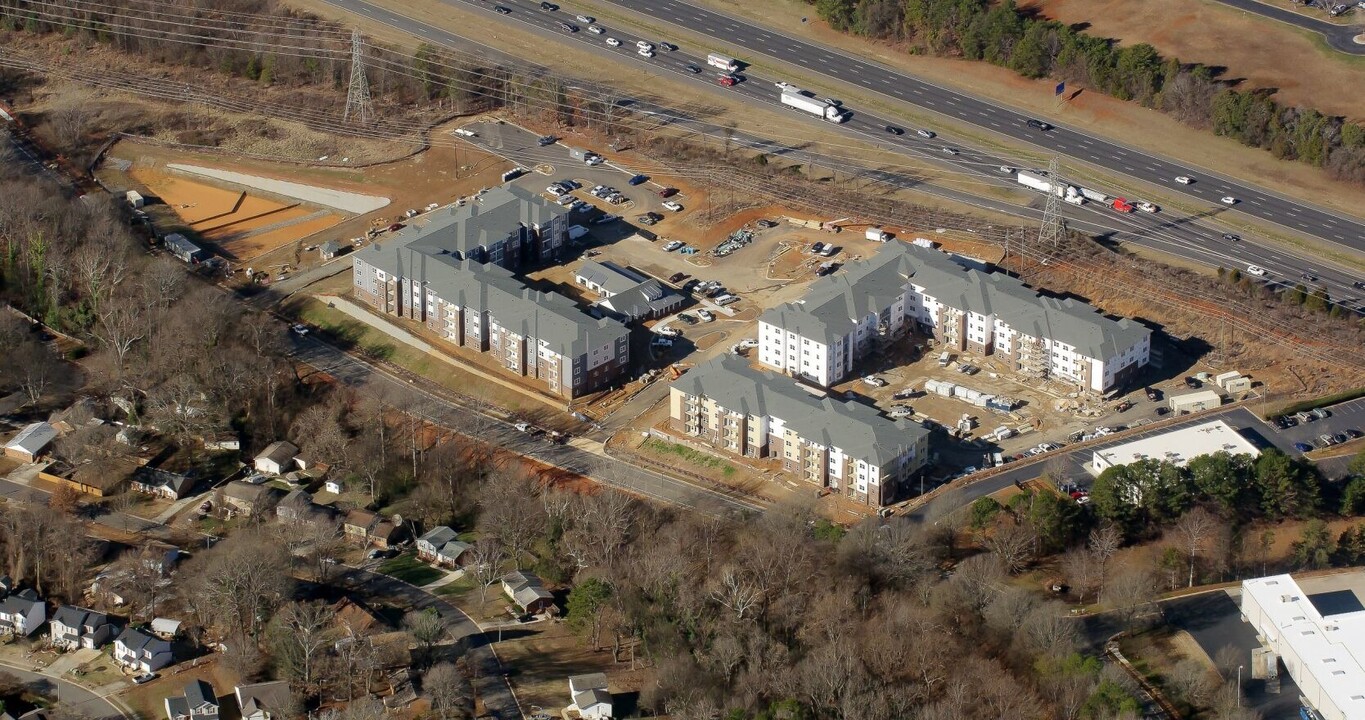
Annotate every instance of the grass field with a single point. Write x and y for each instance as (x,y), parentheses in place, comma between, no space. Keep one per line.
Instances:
(409,569)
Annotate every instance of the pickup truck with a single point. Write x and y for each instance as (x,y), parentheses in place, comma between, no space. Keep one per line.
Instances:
(527,428)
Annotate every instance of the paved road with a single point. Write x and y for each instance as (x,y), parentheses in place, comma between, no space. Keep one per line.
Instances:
(69,696)
(579,456)
(751,41)
(1339,37)
(1191,237)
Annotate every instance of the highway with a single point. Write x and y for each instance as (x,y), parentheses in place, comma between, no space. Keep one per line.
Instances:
(1339,37)
(751,41)
(1168,232)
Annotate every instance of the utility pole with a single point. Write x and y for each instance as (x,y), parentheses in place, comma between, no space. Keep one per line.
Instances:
(1053,225)
(358,105)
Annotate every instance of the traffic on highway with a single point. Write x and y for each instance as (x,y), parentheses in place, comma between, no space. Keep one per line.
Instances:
(1167,231)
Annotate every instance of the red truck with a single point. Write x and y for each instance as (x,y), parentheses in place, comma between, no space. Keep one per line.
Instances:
(1122,205)
(727,80)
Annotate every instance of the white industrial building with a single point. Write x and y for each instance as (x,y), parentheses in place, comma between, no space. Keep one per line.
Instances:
(1177,446)
(843,317)
(1325,655)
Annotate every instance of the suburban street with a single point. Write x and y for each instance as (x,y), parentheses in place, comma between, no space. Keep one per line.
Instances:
(69,695)
(1190,237)
(1339,37)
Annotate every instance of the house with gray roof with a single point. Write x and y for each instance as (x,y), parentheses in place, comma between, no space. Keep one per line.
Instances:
(844,317)
(162,483)
(589,696)
(74,627)
(472,300)
(527,591)
(442,545)
(22,613)
(31,442)
(141,652)
(199,702)
(265,701)
(847,447)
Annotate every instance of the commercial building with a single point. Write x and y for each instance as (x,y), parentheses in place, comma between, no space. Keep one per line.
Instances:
(626,294)
(1177,446)
(847,447)
(844,317)
(1324,654)
(453,277)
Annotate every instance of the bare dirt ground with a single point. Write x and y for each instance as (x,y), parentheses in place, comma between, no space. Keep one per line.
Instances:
(1249,46)
(1093,112)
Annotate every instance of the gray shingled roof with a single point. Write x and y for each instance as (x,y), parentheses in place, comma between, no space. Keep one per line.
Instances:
(647,298)
(834,303)
(484,221)
(439,535)
(609,276)
(857,430)
(478,287)
(33,438)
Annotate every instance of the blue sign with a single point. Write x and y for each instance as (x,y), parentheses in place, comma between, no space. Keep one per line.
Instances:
(1061,88)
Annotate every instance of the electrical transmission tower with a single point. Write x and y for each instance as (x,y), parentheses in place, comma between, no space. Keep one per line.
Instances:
(358,105)
(1053,224)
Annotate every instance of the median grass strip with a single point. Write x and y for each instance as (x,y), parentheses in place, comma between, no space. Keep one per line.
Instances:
(407,568)
(1315,403)
(695,457)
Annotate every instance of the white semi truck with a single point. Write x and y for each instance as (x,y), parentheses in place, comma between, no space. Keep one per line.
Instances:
(798,99)
(724,62)
(1041,183)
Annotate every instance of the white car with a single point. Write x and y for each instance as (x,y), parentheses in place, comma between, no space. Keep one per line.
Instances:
(673,245)
(1183,180)
(1256,270)
(782,85)
(613,42)
(901,411)
(645,53)
(1148,207)
(593,160)
(586,19)
(727,299)
(644,45)
(1006,169)
(874,381)
(705,315)
(749,343)
(668,332)
(675,207)
(925,133)
(299,329)
(595,30)
(950,151)
(1228,200)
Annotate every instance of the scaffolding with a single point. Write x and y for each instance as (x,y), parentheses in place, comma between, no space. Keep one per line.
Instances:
(1033,357)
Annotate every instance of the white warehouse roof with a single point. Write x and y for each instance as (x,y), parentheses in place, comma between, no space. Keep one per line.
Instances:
(1177,446)
(1324,654)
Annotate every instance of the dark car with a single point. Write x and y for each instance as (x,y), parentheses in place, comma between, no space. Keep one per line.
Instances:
(687,318)
(1193,383)
(668,192)
(765,223)
(1303,447)
(1359,284)
(676,277)
(894,130)
(549,6)
(1341,437)
(1039,125)
(1153,394)
(502,10)
(692,69)
(667,46)
(1352,432)
(716,291)
(638,180)
(1162,410)
(645,220)
(395,227)
(1231,237)
(547,140)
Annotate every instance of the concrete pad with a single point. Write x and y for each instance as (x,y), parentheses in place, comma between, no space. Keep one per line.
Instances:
(336,199)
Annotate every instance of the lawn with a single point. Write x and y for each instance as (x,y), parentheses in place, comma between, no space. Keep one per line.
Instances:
(695,457)
(409,569)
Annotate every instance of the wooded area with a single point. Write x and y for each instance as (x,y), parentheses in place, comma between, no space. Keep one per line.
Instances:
(1035,47)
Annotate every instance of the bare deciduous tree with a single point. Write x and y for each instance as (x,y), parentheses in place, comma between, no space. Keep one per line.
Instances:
(448,690)
(1194,529)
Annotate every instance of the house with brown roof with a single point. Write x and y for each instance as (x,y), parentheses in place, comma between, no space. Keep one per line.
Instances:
(368,528)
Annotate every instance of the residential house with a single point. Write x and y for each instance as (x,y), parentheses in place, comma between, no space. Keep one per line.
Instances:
(277,458)
(246,498)
(181,247)
(265,701)
(333,486)
(74,627)
(298,507)
(162,483)
(329,249)
(141,652)
(368,528)
(22,613)
(441,546)
(199,702)
(847,447)
(846,317)
(589,696)
(30,443)
(222,441)
(626,294)
(454,275)
(165,628)
(528,592)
